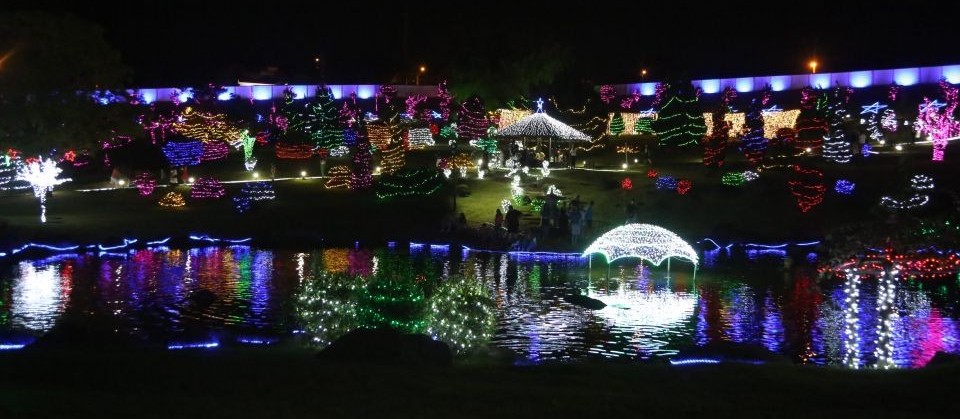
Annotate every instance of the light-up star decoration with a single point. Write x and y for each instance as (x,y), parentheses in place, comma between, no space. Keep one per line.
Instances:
(645,241)
(872,108)
(42,176)
(649,113)
(936,105)
(539,105)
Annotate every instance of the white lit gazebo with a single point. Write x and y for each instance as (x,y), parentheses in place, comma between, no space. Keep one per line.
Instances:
(541,126)
(647,242)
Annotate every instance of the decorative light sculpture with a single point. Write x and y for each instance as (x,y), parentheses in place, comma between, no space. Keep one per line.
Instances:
(42,176)
(844,187)
(645,241)
(207,188)
(172,200)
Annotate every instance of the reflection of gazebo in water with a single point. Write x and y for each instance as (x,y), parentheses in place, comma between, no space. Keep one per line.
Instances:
(541,126)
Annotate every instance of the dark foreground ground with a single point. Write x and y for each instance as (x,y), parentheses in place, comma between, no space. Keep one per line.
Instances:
(290,382)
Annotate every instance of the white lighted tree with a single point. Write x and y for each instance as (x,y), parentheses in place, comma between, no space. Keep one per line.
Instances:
(42,176)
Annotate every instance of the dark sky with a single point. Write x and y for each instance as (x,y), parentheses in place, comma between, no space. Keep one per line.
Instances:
(173,42)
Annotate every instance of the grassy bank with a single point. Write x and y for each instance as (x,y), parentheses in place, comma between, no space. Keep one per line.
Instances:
(289,382)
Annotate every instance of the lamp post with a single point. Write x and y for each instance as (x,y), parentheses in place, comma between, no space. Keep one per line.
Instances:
(423,69)
(813,66)
(643,74)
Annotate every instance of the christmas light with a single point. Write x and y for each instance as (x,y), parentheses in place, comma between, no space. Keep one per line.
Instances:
(361,177)
(380,135)
(186,153)
(774,121)
(542,125)
(753,143)
(420,138)
(626,184)
(889,120)
(811,124)
(844,187)
(412,102)
(392,159)
(807,187)
(258,191)
(172,200)
(836,148)
(461,314)
(509,117)
(645,241)
(339,177)
(921,183)
(736,120)
(607,93)
(545,168)
(651,174)
(914,201)
(683,186)
(872,120)
(679,121)
(472,122)
(42,176)
(939,124)
(339,151)
(321,120)
(409,182)
(616,126)
(207,127)
(851,321)
(145,183)
(666,183)
(207,188)
(214,150)
(293,151)
(553,190)
(733,179)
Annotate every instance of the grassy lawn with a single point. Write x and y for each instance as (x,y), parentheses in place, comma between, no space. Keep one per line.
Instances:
(306,212)
(289,382)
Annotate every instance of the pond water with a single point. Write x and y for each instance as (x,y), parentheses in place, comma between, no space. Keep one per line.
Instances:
(244,295)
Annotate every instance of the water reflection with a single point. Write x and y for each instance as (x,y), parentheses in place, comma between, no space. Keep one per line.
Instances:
(514,301)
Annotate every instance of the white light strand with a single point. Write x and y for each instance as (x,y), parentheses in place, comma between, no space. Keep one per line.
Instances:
(645,241)
(42,176)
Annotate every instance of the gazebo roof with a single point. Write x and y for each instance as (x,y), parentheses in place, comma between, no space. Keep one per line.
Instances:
(645,241)
(541,125)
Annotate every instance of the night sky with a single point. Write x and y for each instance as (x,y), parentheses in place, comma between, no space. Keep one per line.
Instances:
(173,42)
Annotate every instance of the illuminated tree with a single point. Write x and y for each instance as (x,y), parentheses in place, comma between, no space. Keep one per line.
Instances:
(472,122)
(461,314)
(753,143)
(680,121)
(811,124)
(836,147)
(362,177)
(715,144)
(42,176)
(616,124)
(322,120)
(936,120)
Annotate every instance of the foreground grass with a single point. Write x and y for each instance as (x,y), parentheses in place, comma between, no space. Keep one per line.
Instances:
(289,382)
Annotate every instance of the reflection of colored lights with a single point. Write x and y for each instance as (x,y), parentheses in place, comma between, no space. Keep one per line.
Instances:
(199,345)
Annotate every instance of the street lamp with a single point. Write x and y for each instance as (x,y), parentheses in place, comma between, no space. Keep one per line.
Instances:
(813,66)
(643,73)
(423,69)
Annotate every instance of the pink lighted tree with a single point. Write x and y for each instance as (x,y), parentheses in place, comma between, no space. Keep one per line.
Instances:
(936,120)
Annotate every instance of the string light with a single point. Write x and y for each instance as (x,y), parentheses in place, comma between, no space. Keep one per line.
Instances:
(172,200)
(551,190)
(187,153)
(392,159)
(651,173)
(339,177)
(851,329)
(616,126)
(214,150)
(921,183)
(679,122)
(542,125)
(753,144)
(380,135)
(508,117)
(293,151)
(321,121)
(626,184)
(914,201)
(807,187)
(42,176)
(361,177)
(939,124)
(145,183)
(207,188)
(409,182)
(645,241)
(472,122)
(811,126)
(774,121)
(420,138)
(836,148)
(683,186)
(206,127)
(666,183)
(844,187)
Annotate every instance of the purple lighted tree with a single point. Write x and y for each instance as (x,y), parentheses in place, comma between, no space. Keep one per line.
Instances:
(936,120)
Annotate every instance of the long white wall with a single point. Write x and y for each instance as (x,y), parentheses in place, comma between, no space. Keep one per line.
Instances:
(856,79)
